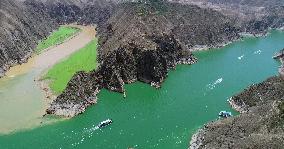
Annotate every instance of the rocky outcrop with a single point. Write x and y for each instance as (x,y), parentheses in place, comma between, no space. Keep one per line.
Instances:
(280,56)
(261,124)
(124,65)
(22,25)
(142,43)
(74,105)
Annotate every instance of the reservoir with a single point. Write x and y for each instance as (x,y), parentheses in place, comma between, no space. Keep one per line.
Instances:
(162,118)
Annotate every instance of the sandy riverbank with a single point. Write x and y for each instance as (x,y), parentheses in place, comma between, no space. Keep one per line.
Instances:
(56,54)
(20,91)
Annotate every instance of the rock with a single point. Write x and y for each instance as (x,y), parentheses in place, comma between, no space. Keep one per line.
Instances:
(145,47)
(281,72)
(80,93)
(280,56)
(260,127)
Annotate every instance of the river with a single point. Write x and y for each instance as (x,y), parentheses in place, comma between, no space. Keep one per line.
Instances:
(22,102)
(165,118)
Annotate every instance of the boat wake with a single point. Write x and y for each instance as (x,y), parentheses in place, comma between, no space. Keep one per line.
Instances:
(241,57)
(91,129)
(213,85)
(88,132)
(257,52)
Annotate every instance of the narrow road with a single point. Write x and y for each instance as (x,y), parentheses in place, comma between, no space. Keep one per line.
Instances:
(22,102)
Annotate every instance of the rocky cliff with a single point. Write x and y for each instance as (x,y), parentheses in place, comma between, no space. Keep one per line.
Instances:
(22,25)
(142,43)
(261,124)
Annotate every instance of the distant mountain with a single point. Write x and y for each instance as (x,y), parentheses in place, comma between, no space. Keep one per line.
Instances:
(254,16)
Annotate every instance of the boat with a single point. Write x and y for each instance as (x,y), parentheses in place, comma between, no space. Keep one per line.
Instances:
(225,114)
(104,123)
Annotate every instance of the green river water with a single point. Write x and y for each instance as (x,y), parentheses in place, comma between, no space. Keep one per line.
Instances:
(164,118)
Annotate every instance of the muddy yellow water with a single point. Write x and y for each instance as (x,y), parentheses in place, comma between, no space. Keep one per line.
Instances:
(22,102)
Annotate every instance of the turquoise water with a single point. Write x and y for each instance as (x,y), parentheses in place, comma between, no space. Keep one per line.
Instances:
(164,118)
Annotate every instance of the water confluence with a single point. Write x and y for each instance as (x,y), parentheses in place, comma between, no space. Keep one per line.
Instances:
(165,118)
(22,102)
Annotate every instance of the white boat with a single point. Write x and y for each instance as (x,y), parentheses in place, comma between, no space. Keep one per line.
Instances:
(225,114)
(104,123)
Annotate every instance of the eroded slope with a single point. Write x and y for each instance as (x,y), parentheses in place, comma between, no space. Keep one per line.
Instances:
(21,27)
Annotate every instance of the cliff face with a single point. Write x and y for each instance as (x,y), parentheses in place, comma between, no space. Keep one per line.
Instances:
(261,126)
(21,27)
(158,39)
(142,43)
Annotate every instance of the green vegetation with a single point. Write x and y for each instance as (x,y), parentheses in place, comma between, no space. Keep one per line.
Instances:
(82,60)
(57,37)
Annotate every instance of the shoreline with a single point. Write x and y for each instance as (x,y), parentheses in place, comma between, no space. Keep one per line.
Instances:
(44,84)
(240,108)
(197,137)
(242,35)
(60,108)
(262,119)
(67,39)
(9,68)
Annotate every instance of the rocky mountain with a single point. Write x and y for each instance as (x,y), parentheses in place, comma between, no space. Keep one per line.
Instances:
(261,124)
(253,16)
(142,42)
(20,30)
